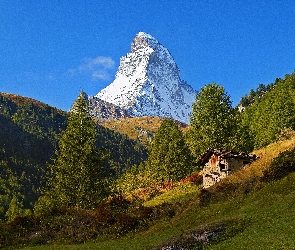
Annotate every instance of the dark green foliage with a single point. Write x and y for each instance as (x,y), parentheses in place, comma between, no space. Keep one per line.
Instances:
(28,138)
(32,116)
(123,152)
(169,156)
(78,174)
(111,219)
(12,198)
(258,94)
(266,118)
(281,166)
(213,121)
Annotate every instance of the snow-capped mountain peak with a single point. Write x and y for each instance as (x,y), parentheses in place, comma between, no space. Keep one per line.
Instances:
(147,82)
(142,40)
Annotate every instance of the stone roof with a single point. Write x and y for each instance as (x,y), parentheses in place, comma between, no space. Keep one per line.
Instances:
(225,154)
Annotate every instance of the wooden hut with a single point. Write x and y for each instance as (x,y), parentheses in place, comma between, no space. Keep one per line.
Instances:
(218,164)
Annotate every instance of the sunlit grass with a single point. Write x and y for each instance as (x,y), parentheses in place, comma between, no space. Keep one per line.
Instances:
(268,213)
(136,127)
(250,176)
(178,193)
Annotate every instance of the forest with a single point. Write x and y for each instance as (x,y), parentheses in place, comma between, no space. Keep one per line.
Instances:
(55,164)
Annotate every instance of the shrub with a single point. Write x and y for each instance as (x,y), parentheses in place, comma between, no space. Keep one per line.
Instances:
(286,134)
(281,166)
(195,177)
(204,197)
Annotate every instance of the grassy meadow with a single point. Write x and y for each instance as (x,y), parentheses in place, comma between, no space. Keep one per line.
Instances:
(252,214)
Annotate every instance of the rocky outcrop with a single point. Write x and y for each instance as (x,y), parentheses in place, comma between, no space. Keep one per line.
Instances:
(102,110)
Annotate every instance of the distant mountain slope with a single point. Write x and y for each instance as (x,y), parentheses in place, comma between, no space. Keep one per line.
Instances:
(33,116)
(141,129)
(29,128)
(147,82)
(28,133)
(45,123)
(28,138)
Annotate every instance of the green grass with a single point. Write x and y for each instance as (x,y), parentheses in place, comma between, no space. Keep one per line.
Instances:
(272,215)
(269,213)
(180,193)
(261,219)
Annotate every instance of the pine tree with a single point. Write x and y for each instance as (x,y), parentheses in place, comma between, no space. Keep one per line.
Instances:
(169,157)
(272,113)
(213,120)
(77,172)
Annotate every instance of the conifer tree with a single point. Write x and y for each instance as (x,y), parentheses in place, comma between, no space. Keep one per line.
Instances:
(268,116)
(77,172)
(169,157)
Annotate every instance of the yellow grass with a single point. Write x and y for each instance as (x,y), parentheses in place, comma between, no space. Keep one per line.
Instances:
(133,127)
(254,171)
(178,192)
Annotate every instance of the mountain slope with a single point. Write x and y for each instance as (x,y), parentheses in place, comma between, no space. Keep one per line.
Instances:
(147,82)
(271,114)
(29,132)
(262,218)
(44,123)
(141,129)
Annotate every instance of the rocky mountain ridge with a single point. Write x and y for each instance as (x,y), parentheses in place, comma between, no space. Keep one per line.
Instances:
(103,111)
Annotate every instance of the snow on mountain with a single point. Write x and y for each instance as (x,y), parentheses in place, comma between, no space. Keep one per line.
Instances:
(147,83)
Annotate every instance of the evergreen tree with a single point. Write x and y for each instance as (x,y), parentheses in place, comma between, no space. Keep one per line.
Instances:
(213,121)
(77,172)
(169,157)
(273,112)
(16,208)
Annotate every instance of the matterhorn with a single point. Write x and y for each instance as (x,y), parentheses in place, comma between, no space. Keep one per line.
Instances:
(147,83)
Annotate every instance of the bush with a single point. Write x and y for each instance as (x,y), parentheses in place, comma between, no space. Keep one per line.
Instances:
(113,218)
(195,177)
(286,134)
(281,166)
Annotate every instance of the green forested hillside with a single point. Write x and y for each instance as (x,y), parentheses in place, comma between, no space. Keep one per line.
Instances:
(272,114)
(28,138)
(28,133)
(255,95)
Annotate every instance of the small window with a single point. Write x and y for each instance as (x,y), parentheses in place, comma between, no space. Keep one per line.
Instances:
(222,166)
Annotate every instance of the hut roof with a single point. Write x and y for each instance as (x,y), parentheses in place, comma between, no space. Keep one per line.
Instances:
(225,154)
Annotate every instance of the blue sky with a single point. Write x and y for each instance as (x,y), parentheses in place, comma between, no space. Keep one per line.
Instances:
(50,50)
